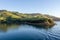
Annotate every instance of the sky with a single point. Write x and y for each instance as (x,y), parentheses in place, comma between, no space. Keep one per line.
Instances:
(51,7)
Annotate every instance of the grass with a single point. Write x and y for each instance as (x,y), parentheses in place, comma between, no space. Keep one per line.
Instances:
(15,17)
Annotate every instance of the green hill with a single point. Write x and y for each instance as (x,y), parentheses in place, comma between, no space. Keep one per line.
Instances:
(16,17)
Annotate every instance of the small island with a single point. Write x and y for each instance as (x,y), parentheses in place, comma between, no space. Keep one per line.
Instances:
(9,17)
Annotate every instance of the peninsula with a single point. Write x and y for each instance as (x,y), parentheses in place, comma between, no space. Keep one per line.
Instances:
(33,19)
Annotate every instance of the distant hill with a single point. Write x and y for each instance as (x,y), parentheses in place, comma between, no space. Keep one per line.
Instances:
(53,17)
(46,15)
(4,14)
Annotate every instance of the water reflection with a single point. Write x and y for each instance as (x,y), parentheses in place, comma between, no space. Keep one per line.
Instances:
(24,31)
(44,27)
(5,27)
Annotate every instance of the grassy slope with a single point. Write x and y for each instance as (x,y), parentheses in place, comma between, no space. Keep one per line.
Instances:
(13,17)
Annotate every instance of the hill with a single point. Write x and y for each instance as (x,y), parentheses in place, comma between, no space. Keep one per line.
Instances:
(45,15)
(53,17)
(16,17)
(5,14)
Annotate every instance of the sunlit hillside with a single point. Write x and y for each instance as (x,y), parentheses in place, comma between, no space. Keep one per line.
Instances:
(16,17)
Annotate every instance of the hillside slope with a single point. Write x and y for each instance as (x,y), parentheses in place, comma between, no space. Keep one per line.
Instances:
(4,14)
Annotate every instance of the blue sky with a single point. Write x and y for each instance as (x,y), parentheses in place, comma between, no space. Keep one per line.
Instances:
(51,7)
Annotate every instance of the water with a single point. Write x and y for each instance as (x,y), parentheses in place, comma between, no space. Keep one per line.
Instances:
(29,32)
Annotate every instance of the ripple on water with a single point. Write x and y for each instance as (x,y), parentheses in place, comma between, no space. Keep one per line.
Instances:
(27,32)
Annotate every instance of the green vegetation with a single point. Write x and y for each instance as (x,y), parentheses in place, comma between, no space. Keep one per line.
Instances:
(15,17)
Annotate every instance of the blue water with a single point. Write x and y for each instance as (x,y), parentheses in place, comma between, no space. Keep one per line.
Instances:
(29,32)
